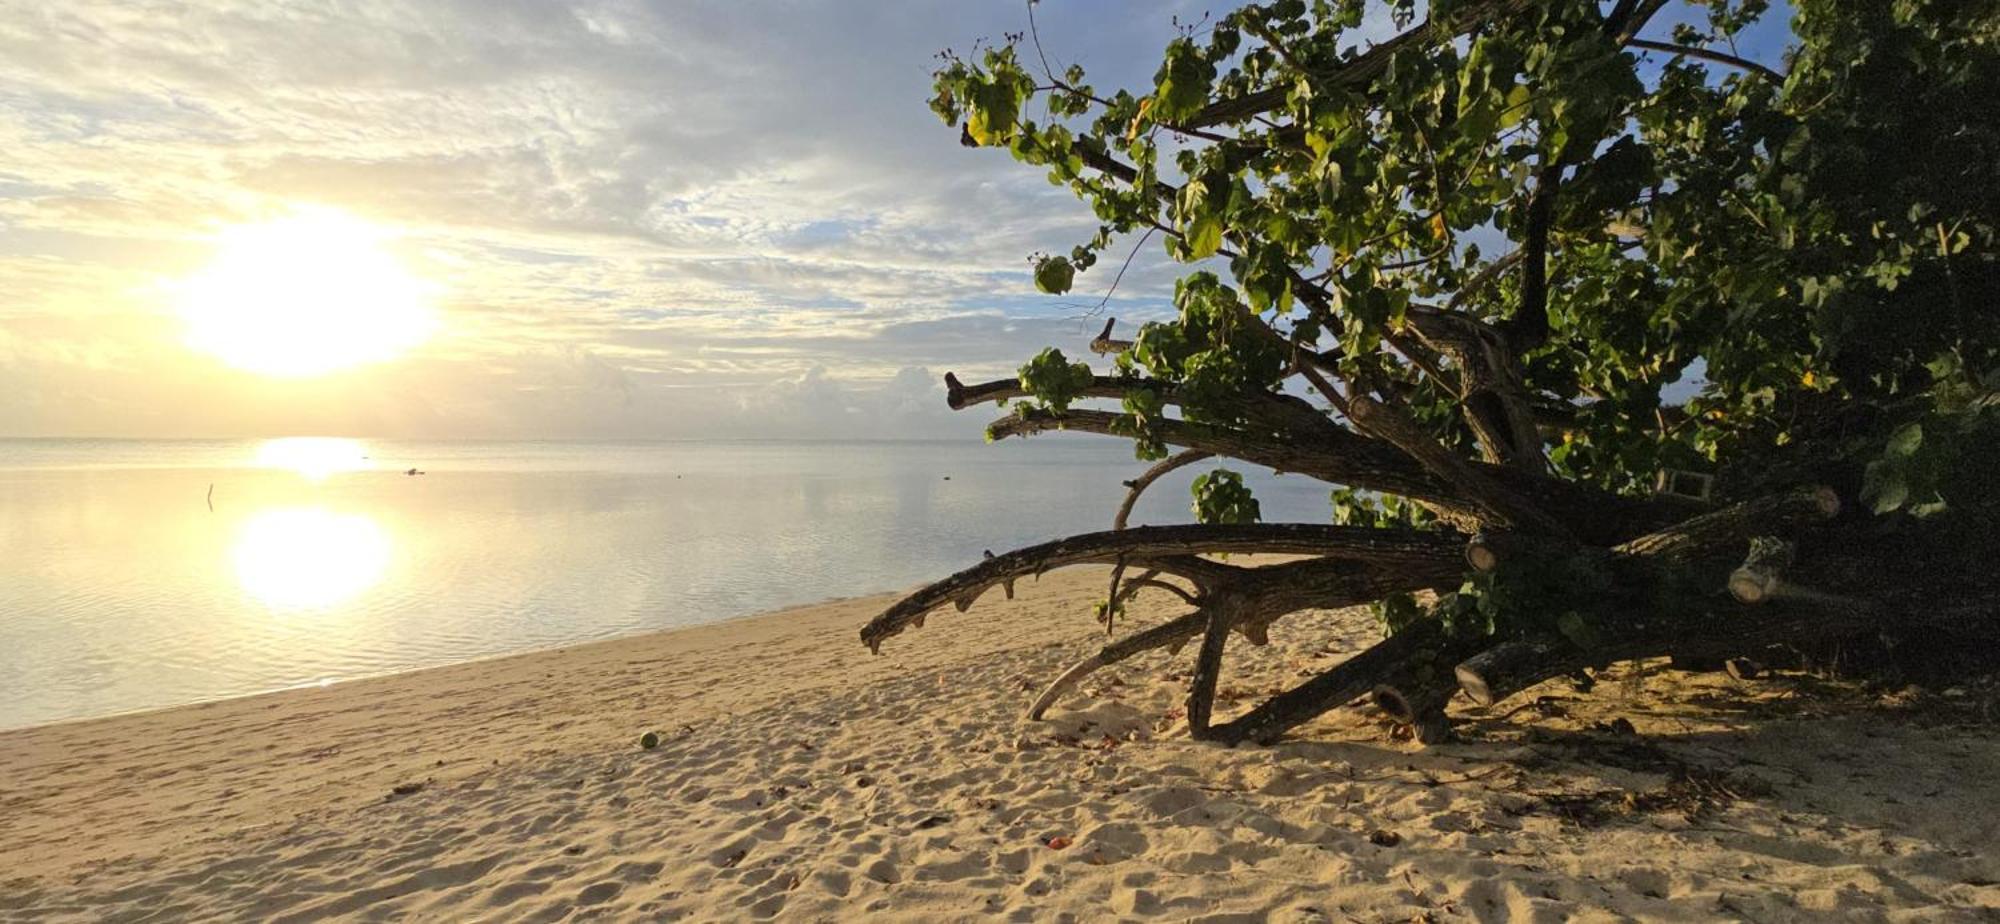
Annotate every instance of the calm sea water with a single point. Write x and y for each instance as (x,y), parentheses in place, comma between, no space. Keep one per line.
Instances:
(140,574)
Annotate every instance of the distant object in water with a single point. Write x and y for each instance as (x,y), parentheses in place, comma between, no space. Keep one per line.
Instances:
(947,477)
(413,472)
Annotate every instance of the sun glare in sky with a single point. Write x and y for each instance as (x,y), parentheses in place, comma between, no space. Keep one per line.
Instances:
(309,558)
(312,292)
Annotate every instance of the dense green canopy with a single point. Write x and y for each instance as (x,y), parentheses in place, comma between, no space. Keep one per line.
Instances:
(1819,242)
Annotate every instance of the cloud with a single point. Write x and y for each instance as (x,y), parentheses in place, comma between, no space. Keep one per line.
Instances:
(649,217)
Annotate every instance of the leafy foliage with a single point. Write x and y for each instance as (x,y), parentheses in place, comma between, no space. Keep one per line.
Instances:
(1053,381)
(1697,262)
(1358,508)
(1221,497)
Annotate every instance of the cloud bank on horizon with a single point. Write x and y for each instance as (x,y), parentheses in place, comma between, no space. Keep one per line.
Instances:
(646,219)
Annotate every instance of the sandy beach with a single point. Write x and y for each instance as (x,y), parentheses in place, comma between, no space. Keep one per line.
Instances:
(802,779)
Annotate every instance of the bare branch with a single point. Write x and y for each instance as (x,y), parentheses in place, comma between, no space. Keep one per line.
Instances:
(1173,550)
(1175,589)
(1496,404)
(1175,632)
(1496,501)
(1714,56)
(1145,480)
(960,396)
(1207,668)
(1270,408)
(1337,455)
(1330,453)
(1721,532)
(1104,345)
(1262,596)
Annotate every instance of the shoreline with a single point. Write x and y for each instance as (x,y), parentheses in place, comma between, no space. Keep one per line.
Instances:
(6,730)
(801,778)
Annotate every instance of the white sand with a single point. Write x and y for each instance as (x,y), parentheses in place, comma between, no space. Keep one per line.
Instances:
(803,779)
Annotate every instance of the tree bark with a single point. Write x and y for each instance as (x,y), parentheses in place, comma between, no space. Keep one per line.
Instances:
(1207,670)
(1337,456)
(1174,632)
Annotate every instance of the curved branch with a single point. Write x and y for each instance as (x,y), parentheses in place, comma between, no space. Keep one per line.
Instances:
(1334,454)
(1139,485)
(1175,589)
(1175,632)
(1707,55)
(1174,550)
(1330,453)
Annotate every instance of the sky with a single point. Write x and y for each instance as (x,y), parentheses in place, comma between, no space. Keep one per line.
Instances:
(628,220)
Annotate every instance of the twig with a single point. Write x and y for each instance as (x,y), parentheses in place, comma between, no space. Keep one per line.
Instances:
(1707,55)
(1122,267)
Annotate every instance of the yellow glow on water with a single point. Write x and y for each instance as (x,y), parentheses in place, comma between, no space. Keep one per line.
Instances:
(309,558)
(316,457)
(305,294)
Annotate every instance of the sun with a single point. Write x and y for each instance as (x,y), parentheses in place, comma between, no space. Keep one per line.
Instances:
(309,293)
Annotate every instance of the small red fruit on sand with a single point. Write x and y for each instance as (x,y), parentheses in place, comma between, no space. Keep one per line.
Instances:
(1059,842)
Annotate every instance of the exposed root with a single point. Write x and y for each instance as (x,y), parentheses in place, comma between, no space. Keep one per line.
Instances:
(1176,550)
(1166,634)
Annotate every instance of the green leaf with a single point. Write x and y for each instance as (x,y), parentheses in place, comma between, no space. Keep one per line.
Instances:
(995,109)
(1516,107)
(1182,84)
(1054,275)
(1221,497)
(1906,440)
(1885,486)
(1203,237)
(1053,380)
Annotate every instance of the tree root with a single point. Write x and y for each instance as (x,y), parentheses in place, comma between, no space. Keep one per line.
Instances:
(1689,591)
(1167,634)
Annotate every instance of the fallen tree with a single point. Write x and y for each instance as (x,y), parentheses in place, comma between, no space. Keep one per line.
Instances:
(1518,496)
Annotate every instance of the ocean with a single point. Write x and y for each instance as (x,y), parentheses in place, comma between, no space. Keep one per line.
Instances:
(137,574)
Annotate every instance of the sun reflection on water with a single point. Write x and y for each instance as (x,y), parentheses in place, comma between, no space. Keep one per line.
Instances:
(310,558)
(315,457)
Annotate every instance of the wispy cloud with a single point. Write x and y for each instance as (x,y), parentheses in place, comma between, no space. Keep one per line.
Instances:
(652,219)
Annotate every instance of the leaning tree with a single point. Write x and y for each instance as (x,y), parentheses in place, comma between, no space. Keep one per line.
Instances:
(1615,342)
